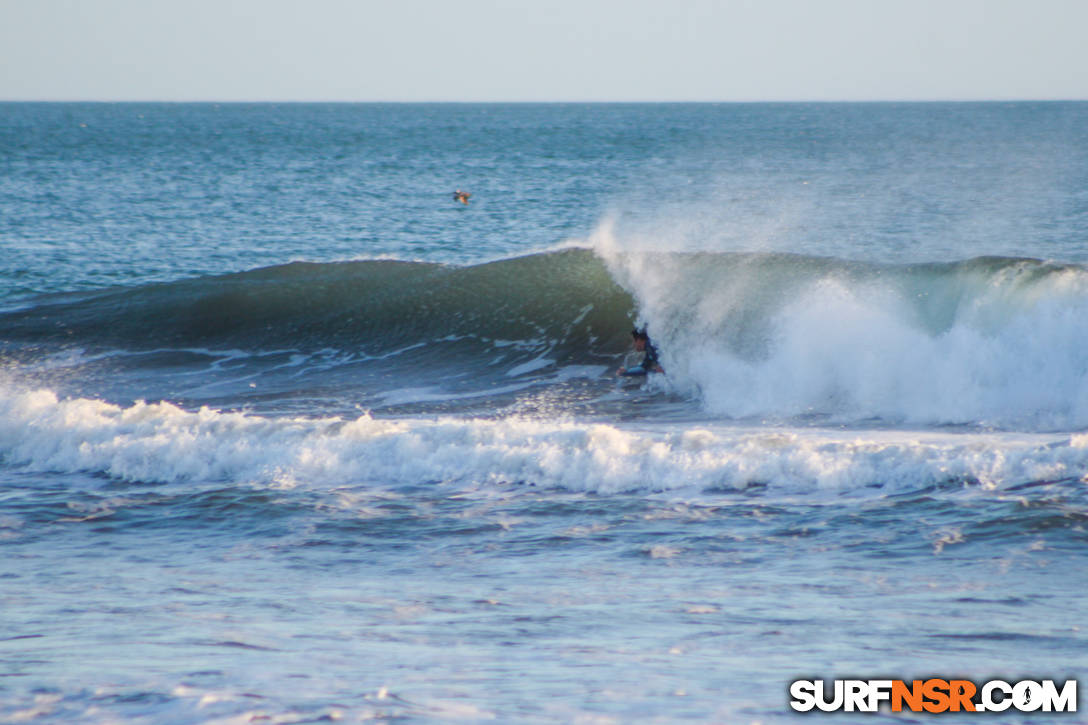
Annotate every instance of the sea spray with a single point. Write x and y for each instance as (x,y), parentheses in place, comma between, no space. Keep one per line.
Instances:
(987,341)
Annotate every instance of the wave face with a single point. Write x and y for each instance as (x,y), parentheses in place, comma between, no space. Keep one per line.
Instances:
(565,298)
(989,341)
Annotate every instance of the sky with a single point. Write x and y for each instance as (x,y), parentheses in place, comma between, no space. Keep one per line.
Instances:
(550,50)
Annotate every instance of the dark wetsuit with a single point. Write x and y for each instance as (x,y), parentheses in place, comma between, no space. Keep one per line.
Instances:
(648,365)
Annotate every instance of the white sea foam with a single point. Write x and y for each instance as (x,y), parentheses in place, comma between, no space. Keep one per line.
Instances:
(1003,345)
(162,443)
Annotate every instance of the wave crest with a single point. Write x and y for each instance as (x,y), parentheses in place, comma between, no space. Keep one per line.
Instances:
(986,341)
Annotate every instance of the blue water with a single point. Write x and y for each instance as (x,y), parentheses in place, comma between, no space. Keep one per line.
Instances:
(290,435)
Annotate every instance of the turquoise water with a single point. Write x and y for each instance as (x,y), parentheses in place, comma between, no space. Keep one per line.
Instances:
(288,433)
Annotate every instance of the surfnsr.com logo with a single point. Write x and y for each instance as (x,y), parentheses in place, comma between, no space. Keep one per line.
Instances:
(934,695)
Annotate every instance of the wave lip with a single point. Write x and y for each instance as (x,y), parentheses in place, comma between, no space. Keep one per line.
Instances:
(162,443)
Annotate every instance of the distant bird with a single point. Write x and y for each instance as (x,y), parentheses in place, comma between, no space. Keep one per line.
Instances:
(461,196)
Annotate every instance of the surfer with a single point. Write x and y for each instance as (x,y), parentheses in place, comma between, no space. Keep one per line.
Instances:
(461,196)
(649,363)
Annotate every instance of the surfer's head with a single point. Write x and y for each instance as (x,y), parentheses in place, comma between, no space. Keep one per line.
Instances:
(640,338)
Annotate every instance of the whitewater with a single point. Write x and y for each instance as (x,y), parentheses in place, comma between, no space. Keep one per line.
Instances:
(288,435)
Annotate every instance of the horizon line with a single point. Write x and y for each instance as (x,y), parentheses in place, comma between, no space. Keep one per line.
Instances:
(543,102)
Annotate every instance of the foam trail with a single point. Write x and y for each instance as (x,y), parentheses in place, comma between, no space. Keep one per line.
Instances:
(163,443)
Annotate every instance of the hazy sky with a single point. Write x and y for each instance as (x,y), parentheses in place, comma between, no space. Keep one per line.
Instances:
(494,50)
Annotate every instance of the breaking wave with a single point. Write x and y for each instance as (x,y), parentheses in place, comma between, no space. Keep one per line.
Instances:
(989,341)
(161,443)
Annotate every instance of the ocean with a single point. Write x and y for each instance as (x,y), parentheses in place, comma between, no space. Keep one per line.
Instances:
(288,434)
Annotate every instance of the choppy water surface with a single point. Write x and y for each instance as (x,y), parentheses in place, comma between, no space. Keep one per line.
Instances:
(290,435)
